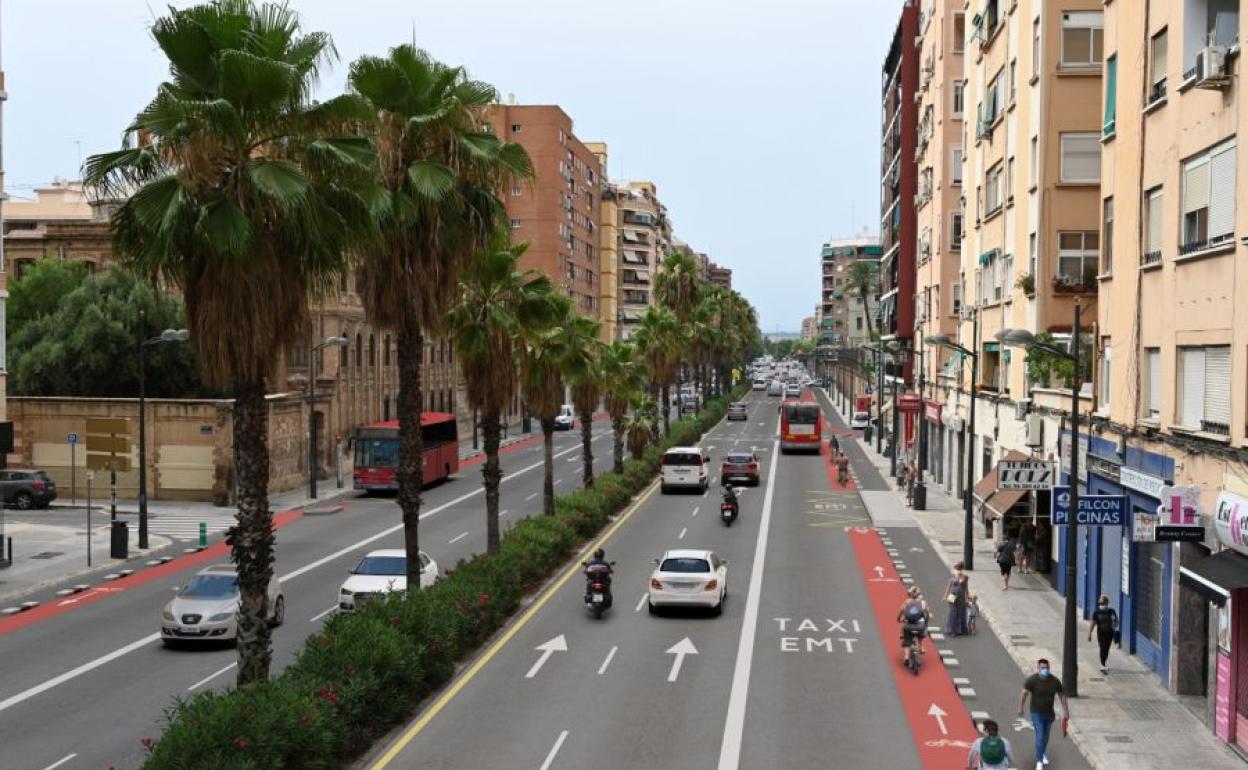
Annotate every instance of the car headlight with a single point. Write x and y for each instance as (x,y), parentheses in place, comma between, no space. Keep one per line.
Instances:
(344,591)
(167,616)
(220,616)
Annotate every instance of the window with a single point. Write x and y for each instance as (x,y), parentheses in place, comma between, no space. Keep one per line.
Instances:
(956,165)
(959,32)
(359,350)
(1032,258)
(957,298)
(995,99)
(515,224)
(1035,160)
(1209,199)
(1107,351)
(1207,22)
(515,128)
(955,227)
(385,351)
(858,323)
(1107,236)
(1205,389)
(1111,95)
(372,350)
(515,192)
(1035,47)
(1152,235)
(1007,272)
(1152,384)
(995,268)
(1009,180)
(1013,79)
(342,352)
(1082,38)
(1157,63)
(1077,257)
(993,196)
(1081,158)
(959,97)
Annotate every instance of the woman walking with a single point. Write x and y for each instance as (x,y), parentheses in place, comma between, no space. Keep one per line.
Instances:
(956,595)
(1006,557)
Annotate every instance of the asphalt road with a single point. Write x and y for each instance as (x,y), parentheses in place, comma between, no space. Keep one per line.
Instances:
(801,670)
(82,688)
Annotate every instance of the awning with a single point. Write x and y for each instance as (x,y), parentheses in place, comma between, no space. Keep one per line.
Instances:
(988,256)
(1216,576)
(996,502)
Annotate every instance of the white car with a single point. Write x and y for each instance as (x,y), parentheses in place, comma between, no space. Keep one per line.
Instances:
(760,384)
(204,609)
(792,390)
(566,418)
(860,420)
(381,572)
(689,578)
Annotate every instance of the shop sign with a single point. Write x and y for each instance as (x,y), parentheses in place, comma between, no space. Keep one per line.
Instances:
(1022,475)
(1179,516)
(1094,510)
(1141,481)
(933,411)
(1083,456)
(1230,522)
(1144,528)
(1126,566)
(1104,467)
(908,403)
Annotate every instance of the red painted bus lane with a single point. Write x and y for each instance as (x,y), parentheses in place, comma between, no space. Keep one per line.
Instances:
(942,728)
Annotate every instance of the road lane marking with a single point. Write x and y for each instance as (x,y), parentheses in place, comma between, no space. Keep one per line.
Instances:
(641,602)
(320,615)
(610,655)
(558,644)
(681,536)
(457,538)
(436,707)
(550,758)
(73,673)
(680,650)
(60,762)
(212,676)
(695,510)
(558,482)
(734,722)
(502,513)
(530,497)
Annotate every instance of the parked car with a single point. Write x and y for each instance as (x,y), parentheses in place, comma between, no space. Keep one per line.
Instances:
(685,466)
(381,572)
(27,489)
(689,578)
(205,609)
(566,418)
(860,420)
(739,466)
(738,410)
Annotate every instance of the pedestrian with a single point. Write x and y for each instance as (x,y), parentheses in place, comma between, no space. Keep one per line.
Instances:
(972,612)
(1005,560)
(836,445)
(1043,688)
(990,751)
(1105,624)
(955,596)
(1027,546)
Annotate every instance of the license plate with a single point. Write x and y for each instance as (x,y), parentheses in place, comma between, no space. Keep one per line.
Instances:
(188,629)
(598,598)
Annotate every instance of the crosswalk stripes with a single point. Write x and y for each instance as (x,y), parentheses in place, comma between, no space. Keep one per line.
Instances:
(183,526)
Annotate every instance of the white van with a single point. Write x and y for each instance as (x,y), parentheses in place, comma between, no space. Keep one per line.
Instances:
(685,466)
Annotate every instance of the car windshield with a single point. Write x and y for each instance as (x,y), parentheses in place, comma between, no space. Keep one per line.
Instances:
(211,587)
(738,459)
(685,564)
(382,565)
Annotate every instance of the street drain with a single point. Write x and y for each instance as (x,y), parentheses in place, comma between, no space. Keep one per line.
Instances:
(1118,739)
(48,555)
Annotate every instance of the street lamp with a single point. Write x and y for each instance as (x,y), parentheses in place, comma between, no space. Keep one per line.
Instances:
(968,523)
(1024,339)
(168,335)
(328,342)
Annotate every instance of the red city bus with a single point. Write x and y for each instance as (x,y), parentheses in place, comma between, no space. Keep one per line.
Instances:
(377,451)
(799,426)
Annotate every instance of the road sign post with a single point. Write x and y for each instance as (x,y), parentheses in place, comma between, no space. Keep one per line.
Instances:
(73,470)
(90,478)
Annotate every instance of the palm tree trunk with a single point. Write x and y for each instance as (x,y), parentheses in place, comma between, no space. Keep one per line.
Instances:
(587,449)
(548,461)
(667,408)
(617,441)
(410,473)
(251,540)
(492,474)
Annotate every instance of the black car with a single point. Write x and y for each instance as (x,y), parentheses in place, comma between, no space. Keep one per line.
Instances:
(27,489)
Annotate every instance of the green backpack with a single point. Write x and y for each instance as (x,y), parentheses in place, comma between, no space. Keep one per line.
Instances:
(992,749)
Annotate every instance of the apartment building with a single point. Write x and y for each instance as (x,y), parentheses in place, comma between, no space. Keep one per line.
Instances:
(809,329)
(608,249)
(645,238)
(6,427)
(844,320)
(558,213)
(718,275)
(1172,375)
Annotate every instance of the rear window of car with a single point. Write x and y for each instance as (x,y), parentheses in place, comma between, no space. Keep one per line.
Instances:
(685,565)
(682,458)
(861,416)
(804,414)
(738,459)
(736,407)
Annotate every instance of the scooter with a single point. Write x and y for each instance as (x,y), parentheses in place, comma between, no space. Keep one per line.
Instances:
(730,507)
(598,596)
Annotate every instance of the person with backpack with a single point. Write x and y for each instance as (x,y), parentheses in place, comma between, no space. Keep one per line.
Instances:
(1005,560)
(913,617)
(990,751)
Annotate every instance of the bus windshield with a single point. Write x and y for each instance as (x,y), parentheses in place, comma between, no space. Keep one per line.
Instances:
(377,453)
(802,414)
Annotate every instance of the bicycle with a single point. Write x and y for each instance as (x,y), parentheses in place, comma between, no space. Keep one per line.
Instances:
(912,661)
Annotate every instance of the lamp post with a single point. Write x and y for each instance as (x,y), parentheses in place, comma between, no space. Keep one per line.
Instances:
(168,335)
(919,494)
(968,523)
(328,342)
(1070,651)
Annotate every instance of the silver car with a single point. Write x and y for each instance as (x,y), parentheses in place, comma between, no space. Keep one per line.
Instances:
(205,608)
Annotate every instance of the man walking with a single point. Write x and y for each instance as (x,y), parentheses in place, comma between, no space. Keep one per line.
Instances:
(1044,688)
(990,751)
(1105,624)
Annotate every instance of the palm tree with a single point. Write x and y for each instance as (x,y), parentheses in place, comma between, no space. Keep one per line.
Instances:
(239,195)
(864,279)
(623,378)
(440,176)
(661,342)
(583,369)
(679,284)
(495,303)
(541,382)
(639,424)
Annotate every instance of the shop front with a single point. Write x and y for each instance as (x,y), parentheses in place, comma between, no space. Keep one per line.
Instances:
(935,441)
(1014,514)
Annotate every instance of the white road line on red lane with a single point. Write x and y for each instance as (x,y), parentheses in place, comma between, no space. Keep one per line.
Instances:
(320,615)
(603,668)
(60,762)
(212,676)
(457,538)
(734,723)
(550,758)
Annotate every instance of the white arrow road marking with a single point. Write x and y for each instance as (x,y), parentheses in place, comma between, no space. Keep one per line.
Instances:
(84,595)
(939,713)
(1021,724)
(680,650)
(603,668)
(212,676)
(558,644)
(457,538)
(550,758)
(879,572)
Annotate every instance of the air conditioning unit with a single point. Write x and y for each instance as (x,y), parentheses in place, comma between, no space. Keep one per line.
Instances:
(1021,408)
(1211,67)
(1035,431)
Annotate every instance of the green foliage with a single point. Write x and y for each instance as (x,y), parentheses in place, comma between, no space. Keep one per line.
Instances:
(86,343)
(368,671)
(1048,370)
(39,291)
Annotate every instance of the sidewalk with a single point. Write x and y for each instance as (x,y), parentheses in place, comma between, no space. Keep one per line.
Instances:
(1123,721)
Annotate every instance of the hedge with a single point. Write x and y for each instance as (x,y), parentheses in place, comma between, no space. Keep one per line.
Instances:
(368,671)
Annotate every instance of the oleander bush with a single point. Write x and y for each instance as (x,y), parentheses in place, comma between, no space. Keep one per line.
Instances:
(367,671)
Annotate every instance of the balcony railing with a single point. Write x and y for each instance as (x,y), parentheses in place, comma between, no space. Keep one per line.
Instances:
(1216,428)
(1157,92)
(1200,244)
(1151,258)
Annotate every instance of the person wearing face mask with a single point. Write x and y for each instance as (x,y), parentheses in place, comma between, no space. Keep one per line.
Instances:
(1105,624)
(1044,689)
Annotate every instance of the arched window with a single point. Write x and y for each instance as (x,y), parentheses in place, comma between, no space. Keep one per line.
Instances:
(386,350)
(372,350)
(342,351)
(359,350)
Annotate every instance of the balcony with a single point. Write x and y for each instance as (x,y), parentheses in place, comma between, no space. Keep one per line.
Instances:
(1150,258)
(1204,244)
(1069,284)
(1157,92)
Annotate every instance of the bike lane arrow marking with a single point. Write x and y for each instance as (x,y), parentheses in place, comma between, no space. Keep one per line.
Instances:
(558,644)
(680,650)
(879,571)
(939,713)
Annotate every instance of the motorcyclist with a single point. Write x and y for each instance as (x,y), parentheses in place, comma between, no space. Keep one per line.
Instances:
(913,617)
(730,497)
(598,567)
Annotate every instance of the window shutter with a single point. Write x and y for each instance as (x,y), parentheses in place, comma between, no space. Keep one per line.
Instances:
(1159,57)
(1222,193)
(1196,186)
(1111,90)
(1218,385)
(1193,373)
(1081,158)
(1154,221)
(1154,382)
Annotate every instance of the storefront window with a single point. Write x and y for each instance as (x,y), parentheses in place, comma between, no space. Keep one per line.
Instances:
(1151,591)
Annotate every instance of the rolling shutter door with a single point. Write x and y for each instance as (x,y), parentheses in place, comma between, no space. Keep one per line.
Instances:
(1218,385)
(1193,374)
(1222,194)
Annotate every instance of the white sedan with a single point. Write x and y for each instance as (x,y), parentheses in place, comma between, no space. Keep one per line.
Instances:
(689,578)
(381,572)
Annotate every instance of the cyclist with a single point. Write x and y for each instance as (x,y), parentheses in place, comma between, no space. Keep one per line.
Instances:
(913,617)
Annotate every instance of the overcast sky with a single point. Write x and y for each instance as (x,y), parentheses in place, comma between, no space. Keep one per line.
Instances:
(758,121)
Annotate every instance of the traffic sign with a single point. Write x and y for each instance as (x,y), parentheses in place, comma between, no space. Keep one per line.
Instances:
(1023,475)
(108,426)
(72,438)
(1094,510)
(103,462)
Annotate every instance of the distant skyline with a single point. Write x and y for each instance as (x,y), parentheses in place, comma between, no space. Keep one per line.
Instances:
(759,125)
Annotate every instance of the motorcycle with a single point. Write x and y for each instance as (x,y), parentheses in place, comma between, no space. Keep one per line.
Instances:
(730,507)
(598,597)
